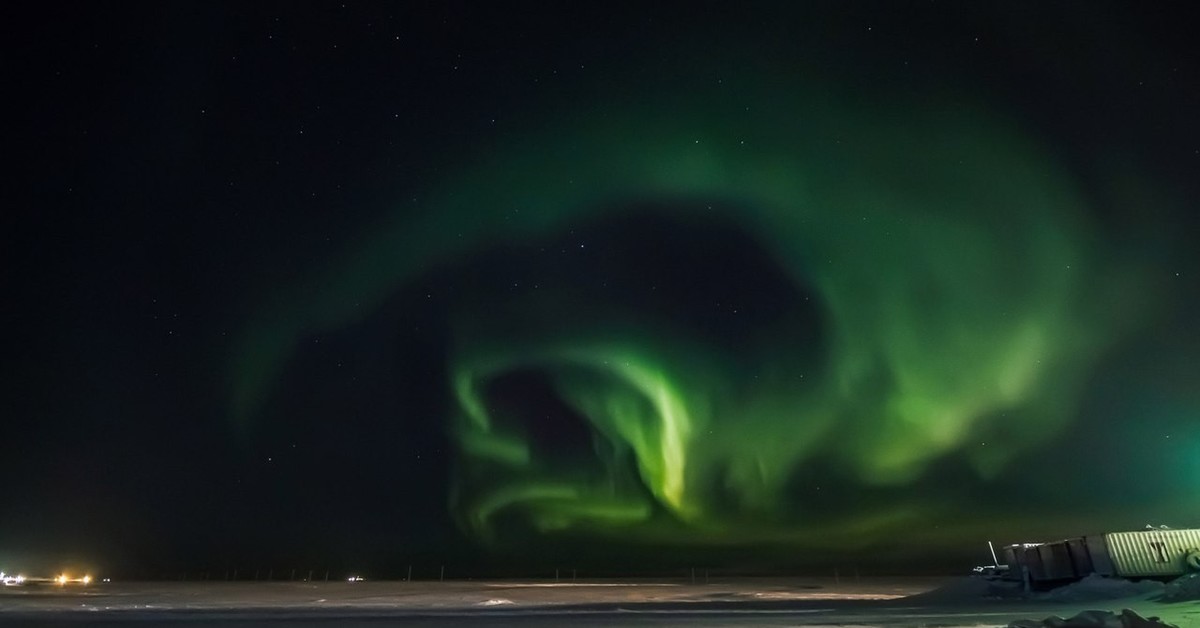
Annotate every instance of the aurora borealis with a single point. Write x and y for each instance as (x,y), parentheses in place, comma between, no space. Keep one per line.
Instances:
(954,309)
(608,287)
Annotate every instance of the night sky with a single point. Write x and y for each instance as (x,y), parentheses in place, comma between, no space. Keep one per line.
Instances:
(624,288)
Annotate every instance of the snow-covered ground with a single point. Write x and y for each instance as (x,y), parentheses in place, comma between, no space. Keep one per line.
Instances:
(892,603)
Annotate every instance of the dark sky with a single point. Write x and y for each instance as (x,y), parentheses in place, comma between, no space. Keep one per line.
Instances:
(508,286)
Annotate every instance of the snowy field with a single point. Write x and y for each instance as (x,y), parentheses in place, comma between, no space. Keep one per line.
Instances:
(742,602)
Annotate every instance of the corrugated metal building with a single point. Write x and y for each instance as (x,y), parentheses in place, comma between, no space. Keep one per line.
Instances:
(1152,553)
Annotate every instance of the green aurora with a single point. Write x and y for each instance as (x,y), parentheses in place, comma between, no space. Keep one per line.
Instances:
(957,296)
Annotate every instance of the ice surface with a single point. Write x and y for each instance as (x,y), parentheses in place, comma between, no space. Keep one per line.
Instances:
(895,603)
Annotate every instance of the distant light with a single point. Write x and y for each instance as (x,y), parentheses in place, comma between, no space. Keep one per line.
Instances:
(61,579)
(87,579)
(354,579)
(107,580)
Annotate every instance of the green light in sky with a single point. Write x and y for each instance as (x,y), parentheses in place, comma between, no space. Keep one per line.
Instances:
(948,249)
